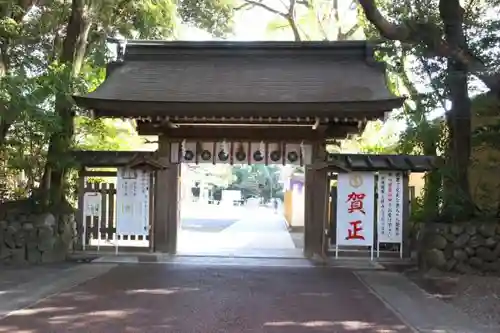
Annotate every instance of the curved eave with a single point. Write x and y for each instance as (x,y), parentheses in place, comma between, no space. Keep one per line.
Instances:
(141,49)
(368,162)
(132,109)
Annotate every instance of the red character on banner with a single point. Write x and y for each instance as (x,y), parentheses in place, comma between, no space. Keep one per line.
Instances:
(353,232)
(356,201)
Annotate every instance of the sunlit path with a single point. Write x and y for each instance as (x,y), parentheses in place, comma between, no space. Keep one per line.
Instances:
(232,230)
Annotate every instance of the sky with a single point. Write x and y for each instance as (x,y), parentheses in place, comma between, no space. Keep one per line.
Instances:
(249,25)
(252,25)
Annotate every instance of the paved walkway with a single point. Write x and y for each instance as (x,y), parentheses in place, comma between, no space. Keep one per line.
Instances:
(188,299)
(229,230)
(190,295)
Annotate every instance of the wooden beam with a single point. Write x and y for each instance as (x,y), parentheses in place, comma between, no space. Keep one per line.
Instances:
(88,173)
(265,133)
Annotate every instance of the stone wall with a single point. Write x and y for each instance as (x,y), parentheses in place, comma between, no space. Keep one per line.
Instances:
(464,248)
(34,238)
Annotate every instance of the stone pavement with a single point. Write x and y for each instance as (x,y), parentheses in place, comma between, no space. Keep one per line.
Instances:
(230,230)
(190,295)
(190,299)
(422,311)
(22,287)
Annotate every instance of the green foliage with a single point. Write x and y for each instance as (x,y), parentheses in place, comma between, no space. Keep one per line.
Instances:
(214,16)
(417,210)
(37,77)
(418,69)
(486,112)
(106,134)
(314,19)
(258,181)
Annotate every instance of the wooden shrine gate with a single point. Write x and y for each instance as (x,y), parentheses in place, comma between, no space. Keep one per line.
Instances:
(195,96)
(104,183)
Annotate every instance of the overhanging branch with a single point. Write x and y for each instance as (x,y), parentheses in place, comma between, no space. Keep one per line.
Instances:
(266,7)
(431,36)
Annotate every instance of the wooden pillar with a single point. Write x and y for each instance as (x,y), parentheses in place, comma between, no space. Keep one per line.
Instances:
(316,206)
(333,215)
(406,216)
(323,222)
(79,218)
(166,215)
(308,212)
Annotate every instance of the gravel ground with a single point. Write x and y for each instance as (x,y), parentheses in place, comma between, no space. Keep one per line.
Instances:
(479,297)
(476,296)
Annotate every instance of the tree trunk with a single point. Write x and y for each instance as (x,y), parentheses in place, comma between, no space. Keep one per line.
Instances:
(457,199)
(60,142)
(432,184)
(4,129)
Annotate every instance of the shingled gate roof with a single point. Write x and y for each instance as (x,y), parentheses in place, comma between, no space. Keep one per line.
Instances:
(344,162)
(368,162)
(244,79)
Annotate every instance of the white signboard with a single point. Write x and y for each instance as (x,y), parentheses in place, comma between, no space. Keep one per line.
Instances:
(355,209)
(390,207)
(92,203)
(132,201)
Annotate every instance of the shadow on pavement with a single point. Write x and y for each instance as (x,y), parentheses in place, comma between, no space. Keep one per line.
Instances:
(160,298)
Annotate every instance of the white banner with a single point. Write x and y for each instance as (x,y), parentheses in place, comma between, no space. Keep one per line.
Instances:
(390,207)
(355,208)
(132,201)
(92,204)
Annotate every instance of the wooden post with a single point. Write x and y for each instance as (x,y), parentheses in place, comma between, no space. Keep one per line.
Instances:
(104,232)
(406,216)
(166,201)
(161,198)
(324,186)
(173,207)
(80,220)
(151,237)
(333,215)
(316,205)
(308,212)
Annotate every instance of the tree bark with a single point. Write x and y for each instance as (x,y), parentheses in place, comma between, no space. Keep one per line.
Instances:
(458,201)
(432,184)
(74,45)
(4,129)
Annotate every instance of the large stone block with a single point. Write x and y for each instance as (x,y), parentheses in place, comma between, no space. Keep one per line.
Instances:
(33,255)
(46,219)
(435,258)
(487,229)
(18,256)
(10,237)
(468,248)
(46,238)
(437,241)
